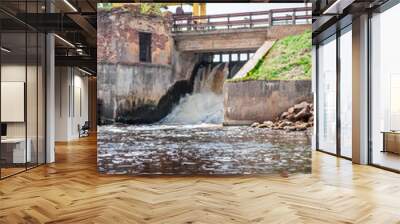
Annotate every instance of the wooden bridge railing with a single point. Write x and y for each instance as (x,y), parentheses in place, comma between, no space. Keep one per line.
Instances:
(287,16)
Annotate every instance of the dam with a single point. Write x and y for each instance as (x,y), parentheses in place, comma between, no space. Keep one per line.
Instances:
(162,105)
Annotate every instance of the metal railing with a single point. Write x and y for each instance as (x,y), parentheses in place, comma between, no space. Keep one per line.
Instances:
(287,16)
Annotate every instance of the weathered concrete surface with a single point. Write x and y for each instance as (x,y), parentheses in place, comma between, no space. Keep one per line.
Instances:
(133,93)
(263,50)
(129,90)
(235,39)
(262,100)
(122,88)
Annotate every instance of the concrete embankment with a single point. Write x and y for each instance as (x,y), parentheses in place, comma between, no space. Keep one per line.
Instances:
(258,101)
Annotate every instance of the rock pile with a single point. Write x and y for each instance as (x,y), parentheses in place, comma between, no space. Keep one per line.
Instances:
(296,118)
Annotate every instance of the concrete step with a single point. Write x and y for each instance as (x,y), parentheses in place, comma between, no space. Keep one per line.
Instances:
(261,52)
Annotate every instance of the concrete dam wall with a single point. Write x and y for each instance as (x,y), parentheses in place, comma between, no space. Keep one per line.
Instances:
(131,91)
(250,101)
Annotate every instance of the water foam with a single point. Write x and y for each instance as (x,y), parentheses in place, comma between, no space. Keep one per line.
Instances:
(205,104)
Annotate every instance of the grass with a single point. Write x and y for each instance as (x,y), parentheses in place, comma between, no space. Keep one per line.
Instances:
(288,59)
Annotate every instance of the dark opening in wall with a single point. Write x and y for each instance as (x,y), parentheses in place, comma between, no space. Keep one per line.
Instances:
(145,47)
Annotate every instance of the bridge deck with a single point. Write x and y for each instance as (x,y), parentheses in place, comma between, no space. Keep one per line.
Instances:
(233,40)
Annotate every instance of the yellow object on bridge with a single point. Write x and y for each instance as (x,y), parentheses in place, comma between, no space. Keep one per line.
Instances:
(198,9)
(114,5)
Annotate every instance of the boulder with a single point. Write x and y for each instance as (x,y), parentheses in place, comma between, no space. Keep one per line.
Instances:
(285,123)
(284,115)
(290,128)
(290,117)
(266,124)
(304,114)
(269,123)
(262,126)
(301,106)
(301,127)
(296,118)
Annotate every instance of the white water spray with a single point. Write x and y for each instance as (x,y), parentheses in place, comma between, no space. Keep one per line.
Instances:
(205,104)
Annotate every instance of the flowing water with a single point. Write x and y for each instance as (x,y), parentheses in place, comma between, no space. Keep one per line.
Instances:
(192,141)
(197,108)
(206,103)
(201,150)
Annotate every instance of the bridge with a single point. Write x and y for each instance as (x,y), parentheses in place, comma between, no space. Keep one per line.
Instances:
(238,31)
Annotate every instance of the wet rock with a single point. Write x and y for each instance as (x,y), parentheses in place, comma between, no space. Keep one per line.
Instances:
(304,114)
(301,106)
(301,127)
(299,117)
(268,123)
(290,128)
(262,126)
(290,117)
(287,123)
(296,118)
(255,124)
(284,115)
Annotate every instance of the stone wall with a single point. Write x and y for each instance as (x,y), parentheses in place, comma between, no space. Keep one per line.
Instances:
(131,91)
(257,101)
(118,37)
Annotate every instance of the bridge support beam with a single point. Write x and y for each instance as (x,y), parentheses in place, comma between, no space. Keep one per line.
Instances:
(233,40)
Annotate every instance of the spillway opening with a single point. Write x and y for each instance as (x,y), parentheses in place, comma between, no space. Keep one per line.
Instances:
(205,103)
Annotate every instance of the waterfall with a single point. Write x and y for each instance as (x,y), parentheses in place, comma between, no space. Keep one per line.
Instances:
(206,103)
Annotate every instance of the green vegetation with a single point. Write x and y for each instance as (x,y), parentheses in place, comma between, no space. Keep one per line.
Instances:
(152,8)
(104,6)
(288,59)
(145,8)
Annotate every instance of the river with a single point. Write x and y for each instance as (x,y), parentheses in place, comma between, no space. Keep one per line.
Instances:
(205,149)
